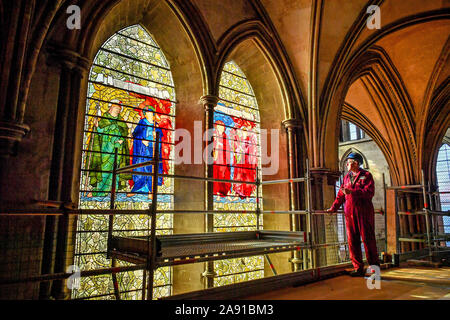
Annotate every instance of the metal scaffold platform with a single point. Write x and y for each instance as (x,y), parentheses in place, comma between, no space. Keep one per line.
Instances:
(431,240)
(169,250)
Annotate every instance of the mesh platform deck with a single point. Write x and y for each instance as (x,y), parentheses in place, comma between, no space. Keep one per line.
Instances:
(191,248)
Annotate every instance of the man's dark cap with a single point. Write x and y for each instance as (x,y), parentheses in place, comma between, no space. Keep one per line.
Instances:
(355,156)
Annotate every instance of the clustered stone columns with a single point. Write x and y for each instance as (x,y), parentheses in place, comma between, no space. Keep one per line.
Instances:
(209,102)
(296,190)
(73,69)
(14,44)
(22,36)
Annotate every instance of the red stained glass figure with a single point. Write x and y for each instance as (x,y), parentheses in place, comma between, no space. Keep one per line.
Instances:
(246,158)
(221,168)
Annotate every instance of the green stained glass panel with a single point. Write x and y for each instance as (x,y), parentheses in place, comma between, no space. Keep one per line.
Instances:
(237,83)
(139,33)
(237,98)
(132,48)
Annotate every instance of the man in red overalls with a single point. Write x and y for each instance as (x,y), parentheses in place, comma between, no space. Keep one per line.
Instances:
(357,191)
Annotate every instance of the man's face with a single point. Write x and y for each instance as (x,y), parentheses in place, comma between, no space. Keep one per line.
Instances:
(352,165)
(115,110)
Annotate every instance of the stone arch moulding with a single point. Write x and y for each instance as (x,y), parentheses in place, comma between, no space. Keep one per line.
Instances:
(447,138)
(197,29)
(294,106)
(438,122)
(388,92)
(346,56)
(335,87)
(430,107)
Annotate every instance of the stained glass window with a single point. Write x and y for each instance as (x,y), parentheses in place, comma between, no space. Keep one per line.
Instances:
(443,178)
(236,157)
(130,98)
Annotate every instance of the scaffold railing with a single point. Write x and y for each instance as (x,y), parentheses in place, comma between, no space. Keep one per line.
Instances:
(431,237)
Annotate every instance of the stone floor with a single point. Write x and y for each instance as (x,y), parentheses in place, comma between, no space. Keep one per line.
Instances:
(403,284)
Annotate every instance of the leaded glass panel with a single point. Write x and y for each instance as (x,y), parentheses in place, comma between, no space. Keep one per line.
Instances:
(130,98)
(236,157)
(443,179)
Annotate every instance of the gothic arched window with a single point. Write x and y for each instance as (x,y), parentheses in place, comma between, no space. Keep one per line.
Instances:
(350,132)
(443,180)
(131,97)
(236,157)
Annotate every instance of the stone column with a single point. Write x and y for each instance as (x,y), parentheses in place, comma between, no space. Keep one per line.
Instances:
(73,69)
(296,190)
(20,44)
(16,25)
(209,102)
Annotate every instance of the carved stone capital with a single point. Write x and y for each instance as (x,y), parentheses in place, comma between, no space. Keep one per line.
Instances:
(292,124)
(11,133)
(209,102)
(321,174)
(64,57)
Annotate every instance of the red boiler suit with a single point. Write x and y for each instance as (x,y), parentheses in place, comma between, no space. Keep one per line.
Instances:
(359,217)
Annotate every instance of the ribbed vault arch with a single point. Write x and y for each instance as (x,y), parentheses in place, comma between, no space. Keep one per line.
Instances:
(386,89)
(350,113)
(438,123)
(348,64)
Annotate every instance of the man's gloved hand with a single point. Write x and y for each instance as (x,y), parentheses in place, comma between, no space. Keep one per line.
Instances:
(347,191)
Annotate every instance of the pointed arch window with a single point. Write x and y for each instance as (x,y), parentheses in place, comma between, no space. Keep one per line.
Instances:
(443,180)
(131,97)
(236,157)
(350,132)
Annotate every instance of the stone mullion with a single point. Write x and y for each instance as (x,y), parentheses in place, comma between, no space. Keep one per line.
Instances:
(72,69)
(49,262)
(209,102)
(292,127)
(56,179)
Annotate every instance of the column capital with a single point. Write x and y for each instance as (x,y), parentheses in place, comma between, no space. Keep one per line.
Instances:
(292,124)
(11,133)
(320,174)
(67,58)
(209,101)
